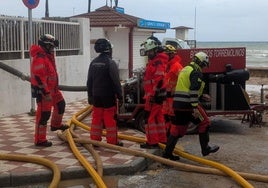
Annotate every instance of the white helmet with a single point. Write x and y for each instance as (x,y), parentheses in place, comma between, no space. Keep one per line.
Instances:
(201,58)
(150,44)
(48,39)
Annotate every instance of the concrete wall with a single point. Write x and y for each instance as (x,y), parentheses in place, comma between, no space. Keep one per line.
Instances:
(258,71)
(119,37)
(15,94)
(121,51)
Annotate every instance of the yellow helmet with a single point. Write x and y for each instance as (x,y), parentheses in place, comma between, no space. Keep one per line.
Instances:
(169,49)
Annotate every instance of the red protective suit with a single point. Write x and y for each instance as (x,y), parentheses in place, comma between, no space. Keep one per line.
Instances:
(172,70)
(44,81)
(104,117)
(154,73)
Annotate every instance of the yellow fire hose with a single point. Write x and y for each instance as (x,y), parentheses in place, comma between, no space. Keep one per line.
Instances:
(67,133)
(98,180)
(38,160)
(89,147)
(227,171)
(95,175)
(219,166)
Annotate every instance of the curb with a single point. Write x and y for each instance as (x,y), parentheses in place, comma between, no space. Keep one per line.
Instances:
(21,179)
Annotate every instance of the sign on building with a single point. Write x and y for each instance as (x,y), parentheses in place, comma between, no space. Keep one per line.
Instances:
(153,24)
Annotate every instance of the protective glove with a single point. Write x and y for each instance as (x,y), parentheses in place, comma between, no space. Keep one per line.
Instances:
(152,99)
(169,94)
(206,97)
(159,84)
(119,99)
(160,95)
(196,114)
(167,118)
(90,100)
(48,97)
(120,102)
(146,114)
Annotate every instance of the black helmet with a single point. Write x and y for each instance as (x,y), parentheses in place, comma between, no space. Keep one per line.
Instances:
(48,39)
(103,45)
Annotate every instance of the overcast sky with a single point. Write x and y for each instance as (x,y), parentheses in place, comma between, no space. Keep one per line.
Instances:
(216,20)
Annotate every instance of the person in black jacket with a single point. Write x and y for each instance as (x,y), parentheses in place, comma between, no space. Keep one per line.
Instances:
(104,89)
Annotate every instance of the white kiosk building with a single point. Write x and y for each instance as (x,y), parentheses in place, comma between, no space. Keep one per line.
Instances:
(125,32)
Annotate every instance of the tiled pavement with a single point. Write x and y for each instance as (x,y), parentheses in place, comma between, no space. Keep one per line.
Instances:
(16,137)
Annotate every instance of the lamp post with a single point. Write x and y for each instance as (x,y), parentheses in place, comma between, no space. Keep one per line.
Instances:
(31,4)
(195,23)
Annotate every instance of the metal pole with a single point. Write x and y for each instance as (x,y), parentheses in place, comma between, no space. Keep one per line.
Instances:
(262,94)
(89,6)
(30,42)
(195,23)
(47,10)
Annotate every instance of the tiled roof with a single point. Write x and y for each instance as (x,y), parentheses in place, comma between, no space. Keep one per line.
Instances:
(182,27)
(109,17)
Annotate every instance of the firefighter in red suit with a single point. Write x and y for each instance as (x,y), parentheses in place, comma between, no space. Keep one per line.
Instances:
(172,70)
(44,83)
(155,93)
(187,108)
(104,90)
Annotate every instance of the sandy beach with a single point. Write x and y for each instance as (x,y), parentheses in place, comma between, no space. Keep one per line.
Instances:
(253,88)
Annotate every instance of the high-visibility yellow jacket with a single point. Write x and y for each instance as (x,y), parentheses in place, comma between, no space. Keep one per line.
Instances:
(189,88)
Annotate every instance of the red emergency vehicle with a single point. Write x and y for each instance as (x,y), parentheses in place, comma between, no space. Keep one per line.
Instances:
(225,82)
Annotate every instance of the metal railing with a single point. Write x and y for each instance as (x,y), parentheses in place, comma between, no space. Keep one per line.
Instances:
(14,36)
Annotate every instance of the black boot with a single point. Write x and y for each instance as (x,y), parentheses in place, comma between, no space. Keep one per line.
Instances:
(119,143)
(167,120)
(206,149)
(168,132)
(44,144)
(62,127)
(171,143)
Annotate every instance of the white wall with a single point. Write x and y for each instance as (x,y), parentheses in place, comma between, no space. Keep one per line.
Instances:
(73,72)
(119,39)
(15,94)
(138,38)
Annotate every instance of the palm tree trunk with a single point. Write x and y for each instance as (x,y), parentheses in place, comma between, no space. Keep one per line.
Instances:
(89,6)
(47,11)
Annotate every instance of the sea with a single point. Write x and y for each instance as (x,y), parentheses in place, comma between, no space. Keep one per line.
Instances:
(256,52)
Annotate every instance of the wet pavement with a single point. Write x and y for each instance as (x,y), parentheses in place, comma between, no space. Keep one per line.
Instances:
(243,149)
(16,137)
